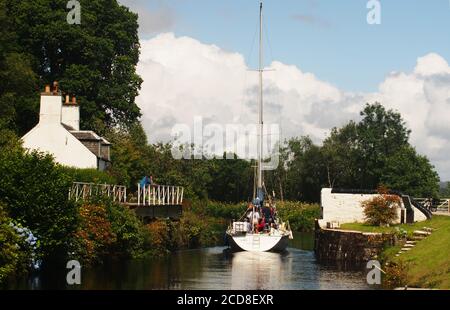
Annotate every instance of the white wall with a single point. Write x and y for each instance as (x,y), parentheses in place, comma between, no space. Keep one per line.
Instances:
(71,115)
(418,215)
(344,208)
(53,138)
(50,109)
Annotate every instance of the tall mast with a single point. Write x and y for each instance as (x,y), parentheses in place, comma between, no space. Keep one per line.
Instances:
(260,108)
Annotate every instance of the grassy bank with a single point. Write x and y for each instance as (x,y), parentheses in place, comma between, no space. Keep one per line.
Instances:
(427,265)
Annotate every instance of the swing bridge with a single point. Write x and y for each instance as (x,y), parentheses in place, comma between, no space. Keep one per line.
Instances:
(151,201)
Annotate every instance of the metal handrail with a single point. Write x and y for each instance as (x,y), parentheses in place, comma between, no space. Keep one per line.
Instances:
(84,191)
(160,195)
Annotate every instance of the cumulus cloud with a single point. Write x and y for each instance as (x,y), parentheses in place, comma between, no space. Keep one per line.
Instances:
(184,78)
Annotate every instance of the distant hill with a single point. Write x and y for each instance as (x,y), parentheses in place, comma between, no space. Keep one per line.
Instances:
(443,185)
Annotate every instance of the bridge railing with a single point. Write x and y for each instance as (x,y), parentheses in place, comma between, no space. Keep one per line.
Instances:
(160,195)
(84,191)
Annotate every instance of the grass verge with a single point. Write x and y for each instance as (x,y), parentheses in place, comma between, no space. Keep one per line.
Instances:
(428,263)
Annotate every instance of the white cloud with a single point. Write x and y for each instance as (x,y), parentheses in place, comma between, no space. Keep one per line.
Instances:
(431,64)
(184,78)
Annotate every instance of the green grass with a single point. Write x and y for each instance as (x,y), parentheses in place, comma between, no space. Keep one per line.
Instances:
(367,228)
(436,222)
(428,263)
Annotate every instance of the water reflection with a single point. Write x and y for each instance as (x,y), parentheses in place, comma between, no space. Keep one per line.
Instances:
(212,268)
(259,270)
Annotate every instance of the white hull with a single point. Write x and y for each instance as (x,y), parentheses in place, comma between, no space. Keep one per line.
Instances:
(258,242)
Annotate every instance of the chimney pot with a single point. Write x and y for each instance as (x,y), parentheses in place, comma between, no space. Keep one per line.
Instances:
(67,99)
(55,87)
(74,100)
(47,89)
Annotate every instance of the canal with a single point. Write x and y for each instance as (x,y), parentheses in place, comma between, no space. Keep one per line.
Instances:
(212,268)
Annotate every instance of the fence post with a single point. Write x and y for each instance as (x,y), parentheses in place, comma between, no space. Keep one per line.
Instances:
(139,193)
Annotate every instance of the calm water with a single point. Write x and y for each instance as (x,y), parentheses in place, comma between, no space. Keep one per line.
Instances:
(213,268)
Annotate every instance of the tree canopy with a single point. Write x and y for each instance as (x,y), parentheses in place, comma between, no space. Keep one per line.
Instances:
(364,155)
(96,61)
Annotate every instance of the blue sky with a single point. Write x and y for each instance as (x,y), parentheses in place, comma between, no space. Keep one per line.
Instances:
(334,40)
(195,56)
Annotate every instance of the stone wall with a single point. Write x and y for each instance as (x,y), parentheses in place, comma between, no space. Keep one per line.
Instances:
(350,247)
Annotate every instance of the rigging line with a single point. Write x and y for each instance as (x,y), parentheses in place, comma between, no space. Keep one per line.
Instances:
(268,40)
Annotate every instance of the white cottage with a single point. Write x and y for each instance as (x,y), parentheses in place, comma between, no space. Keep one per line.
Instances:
(58,133)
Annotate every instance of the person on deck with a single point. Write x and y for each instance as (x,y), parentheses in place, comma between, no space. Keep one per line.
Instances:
(145,181)
(261,225)
(267,213)
(254,217)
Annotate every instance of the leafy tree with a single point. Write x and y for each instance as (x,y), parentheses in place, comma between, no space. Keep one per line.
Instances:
(304,170)
(445,192)
(410,173)
(95,60)
(130,154)
(381,133)
(341,156)
(276,180)
(19,87)
(231,180)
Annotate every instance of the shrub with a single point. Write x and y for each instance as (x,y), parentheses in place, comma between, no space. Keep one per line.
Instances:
(35,189)
(301,216)
(382,209)
(108,229)
(89,176)
(160,239)
(197,230)
(219,209)
(129,231)
(94,235)
(396,275)
(16,251)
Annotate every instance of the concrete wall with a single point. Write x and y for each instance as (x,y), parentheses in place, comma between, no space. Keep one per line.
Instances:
(346,208)
(53,138)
